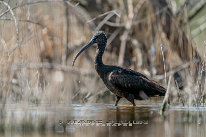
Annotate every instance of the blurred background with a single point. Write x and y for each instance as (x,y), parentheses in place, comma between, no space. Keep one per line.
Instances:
(165,40)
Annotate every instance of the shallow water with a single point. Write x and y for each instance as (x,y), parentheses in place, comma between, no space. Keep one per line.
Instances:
(104,120)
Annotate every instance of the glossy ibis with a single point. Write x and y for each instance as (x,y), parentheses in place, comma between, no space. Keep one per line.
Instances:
(122,82)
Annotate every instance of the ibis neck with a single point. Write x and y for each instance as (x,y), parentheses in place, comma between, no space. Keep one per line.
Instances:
(98,58)
(99,66)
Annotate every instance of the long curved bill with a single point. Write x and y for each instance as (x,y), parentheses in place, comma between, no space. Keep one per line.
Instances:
(83,48)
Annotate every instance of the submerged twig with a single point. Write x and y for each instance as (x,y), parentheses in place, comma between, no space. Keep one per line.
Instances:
(166,98)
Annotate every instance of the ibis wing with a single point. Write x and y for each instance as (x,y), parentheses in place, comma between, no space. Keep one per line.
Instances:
(131,83)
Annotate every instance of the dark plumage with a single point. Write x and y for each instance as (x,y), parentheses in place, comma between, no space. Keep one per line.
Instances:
(122,82)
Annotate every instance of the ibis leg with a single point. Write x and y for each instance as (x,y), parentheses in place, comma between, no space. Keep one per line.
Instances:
(117,100)
(130,98)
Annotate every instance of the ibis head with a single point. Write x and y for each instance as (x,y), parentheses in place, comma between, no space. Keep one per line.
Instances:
(99,38)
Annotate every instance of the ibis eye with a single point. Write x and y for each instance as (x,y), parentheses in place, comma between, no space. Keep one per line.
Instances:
(95,39)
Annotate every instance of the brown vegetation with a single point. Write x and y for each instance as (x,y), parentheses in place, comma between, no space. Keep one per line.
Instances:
(37,49)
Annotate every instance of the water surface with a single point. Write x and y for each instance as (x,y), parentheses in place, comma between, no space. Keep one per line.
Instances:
(103,120)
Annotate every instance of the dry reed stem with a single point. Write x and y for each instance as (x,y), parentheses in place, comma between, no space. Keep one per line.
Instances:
(38,2)
(163,58)
(136,22)
(22,20)
(64,56)
(128,25)
(179,68)
(178,93)
(101,15)
(104,20)
(16,26)
(46,65)
(113,36)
